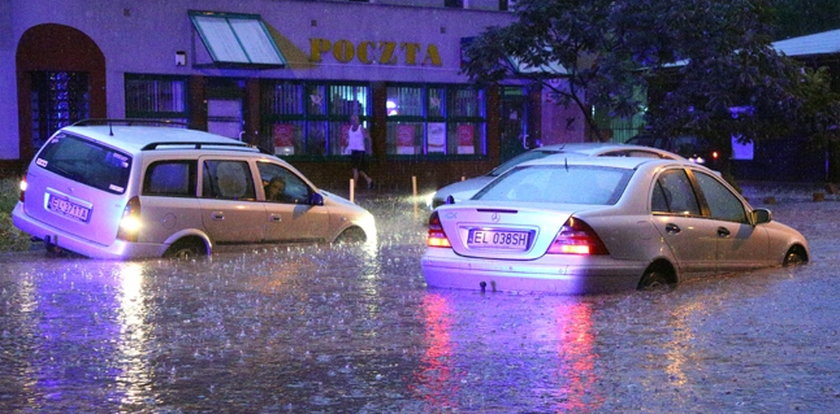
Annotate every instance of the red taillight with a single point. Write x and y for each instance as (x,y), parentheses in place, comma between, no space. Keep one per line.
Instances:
(436,237)
(576,237)
(23,185)
(130,222)
(715,155)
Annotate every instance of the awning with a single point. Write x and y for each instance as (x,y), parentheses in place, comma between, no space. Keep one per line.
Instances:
(237,40)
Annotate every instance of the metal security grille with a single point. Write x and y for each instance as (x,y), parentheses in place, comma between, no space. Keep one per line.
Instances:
(58,100)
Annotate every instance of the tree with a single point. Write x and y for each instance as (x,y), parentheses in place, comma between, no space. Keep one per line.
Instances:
(707,65)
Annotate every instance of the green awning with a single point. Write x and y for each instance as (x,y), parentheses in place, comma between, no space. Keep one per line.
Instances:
(237,39)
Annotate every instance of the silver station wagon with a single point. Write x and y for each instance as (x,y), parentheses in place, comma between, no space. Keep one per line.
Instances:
(595,224)
(114,190)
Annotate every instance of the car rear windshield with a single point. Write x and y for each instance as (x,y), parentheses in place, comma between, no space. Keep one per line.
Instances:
(573,184)
(87,162)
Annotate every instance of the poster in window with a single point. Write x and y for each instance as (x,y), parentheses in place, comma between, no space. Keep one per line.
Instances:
(437,137)
(466,138)
(405,139)
(284,139)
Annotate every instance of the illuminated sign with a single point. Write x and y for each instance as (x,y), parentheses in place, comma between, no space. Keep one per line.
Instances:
(370,52)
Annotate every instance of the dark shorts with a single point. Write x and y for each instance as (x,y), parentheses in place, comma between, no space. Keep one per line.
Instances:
(359,160)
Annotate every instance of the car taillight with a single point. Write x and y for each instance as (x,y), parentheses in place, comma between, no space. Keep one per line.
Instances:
(23,185)
(436,237)
(130,222)
(715,155)
(576,237)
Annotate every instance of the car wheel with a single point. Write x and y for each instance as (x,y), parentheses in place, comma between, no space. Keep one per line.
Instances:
(185,250)
(794,257)
(351,235)
(655,279)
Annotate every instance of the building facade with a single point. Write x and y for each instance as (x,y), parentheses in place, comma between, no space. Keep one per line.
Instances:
(285,75)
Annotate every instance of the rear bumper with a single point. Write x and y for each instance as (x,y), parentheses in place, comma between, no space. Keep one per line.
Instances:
(553,274)
(118,250)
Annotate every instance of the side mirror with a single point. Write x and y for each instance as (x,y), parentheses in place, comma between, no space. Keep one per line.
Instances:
(316,199)
(450,199)
(761,216)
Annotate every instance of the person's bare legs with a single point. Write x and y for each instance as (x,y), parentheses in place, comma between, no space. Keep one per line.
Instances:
(357,173)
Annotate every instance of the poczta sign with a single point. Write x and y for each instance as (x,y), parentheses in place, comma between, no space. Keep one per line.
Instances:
(368,52)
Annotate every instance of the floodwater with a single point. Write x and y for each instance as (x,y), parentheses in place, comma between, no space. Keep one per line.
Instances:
(354,329)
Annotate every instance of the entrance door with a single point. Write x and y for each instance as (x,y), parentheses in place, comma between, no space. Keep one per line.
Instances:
(225,115)
(58,99)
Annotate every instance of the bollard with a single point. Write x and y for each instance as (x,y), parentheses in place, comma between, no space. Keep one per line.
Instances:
(414,193)
(352,190)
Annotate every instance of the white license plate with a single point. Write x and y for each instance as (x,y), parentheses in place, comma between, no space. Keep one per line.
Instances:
(65,207)
(498,239)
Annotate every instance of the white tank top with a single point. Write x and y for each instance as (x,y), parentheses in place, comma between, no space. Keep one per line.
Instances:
(355,139)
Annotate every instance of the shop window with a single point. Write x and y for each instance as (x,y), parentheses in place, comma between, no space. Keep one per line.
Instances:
(156,97)
(309,118)
(435,120)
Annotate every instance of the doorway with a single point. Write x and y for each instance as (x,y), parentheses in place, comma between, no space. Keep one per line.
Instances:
(225,107)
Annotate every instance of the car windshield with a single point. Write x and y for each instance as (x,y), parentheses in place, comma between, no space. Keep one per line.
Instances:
(573,184)
(519,159)
(86,162)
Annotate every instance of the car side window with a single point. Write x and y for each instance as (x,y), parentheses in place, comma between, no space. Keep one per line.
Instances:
(673,194)
(228,180)
(171,178)
(281,185)
(723,205)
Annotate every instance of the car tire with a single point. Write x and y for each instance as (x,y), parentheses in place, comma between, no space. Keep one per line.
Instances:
(351,235)
(186,250)
(655,279)
(794,257)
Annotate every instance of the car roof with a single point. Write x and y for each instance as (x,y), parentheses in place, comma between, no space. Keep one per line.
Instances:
(618,162)
(136,138)
(597,148)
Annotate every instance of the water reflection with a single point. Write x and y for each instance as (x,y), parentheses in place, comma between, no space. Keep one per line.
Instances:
(89,334)
(506,351)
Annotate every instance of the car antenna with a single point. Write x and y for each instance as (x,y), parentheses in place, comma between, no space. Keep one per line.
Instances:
(111,129)
(566,162)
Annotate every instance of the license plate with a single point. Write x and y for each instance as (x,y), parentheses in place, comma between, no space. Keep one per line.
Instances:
(65,207)
(498,239)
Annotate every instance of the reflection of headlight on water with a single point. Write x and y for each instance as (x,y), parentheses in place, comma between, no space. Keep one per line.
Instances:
(424,199)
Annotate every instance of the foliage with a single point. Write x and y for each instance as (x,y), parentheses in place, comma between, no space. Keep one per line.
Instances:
(707,65)
(10,237)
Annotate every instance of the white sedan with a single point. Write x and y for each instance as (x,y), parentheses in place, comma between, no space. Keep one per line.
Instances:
(596,224)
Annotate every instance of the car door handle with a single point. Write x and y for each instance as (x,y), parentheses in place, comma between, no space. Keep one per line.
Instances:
(217,215)
(672,228)
(274,218)
(723,232)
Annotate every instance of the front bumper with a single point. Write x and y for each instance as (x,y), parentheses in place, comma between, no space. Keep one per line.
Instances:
(562,274)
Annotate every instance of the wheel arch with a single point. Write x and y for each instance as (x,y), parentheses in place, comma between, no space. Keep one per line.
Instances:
(190,234)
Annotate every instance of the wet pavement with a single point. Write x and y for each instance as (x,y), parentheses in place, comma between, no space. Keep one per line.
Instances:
(335,329)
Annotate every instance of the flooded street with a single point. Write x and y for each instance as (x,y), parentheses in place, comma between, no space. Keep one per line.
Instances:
(353,329)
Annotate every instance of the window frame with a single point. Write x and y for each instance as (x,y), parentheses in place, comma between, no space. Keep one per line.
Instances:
(444,116)
(180,116)
(305,121)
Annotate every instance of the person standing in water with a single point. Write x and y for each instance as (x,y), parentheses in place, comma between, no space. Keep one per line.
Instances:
(358,141)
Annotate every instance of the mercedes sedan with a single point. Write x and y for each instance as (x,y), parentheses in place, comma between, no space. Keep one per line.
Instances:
(597,224)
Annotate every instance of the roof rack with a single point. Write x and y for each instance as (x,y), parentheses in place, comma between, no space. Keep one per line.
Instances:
(127,121)
(196,145)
